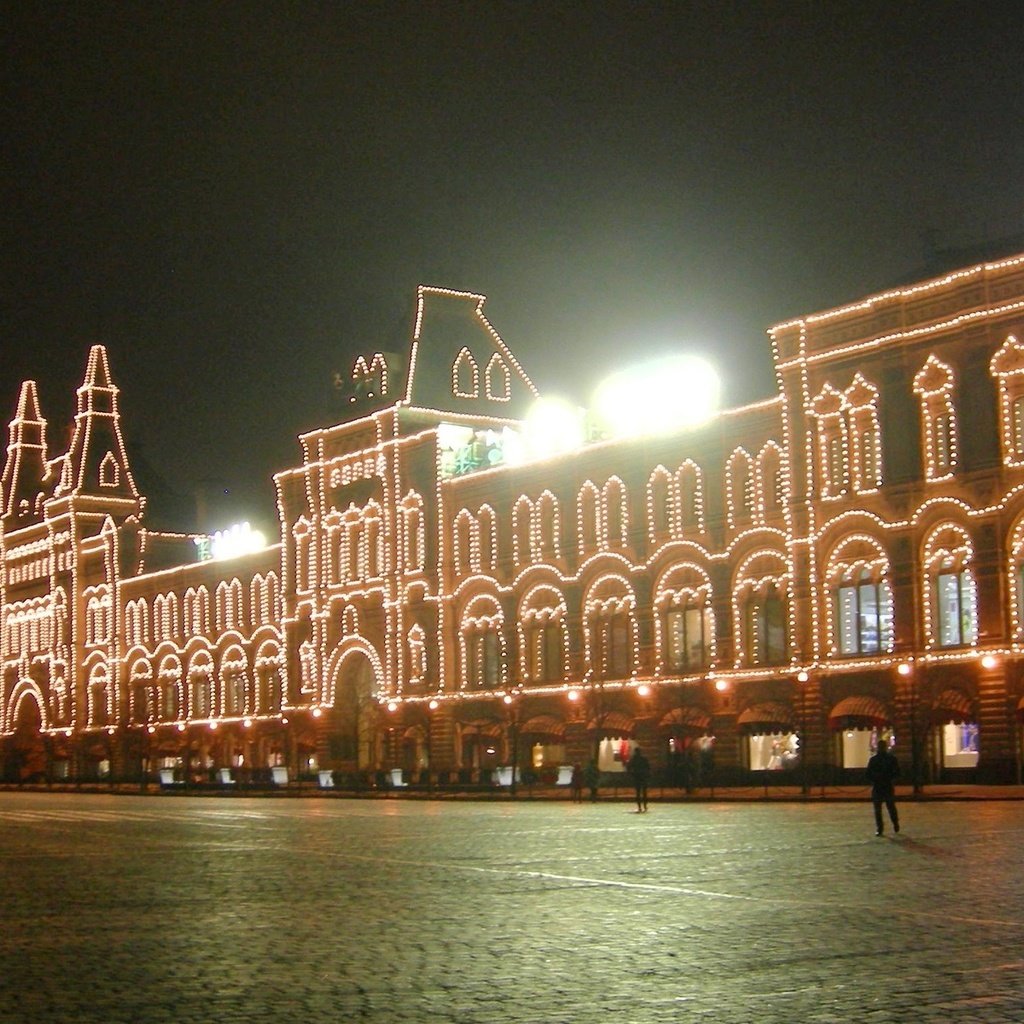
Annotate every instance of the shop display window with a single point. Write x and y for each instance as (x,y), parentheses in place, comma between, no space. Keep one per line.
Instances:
(771,752)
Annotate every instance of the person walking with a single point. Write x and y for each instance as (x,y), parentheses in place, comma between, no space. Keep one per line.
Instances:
(591,779)
(883,770)
(640,769)
(576,783)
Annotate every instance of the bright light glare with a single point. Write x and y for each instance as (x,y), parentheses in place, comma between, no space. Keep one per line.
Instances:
(553,426)
(240,539)
(658,398)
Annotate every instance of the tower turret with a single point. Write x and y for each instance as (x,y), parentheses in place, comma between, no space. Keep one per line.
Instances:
(25,484)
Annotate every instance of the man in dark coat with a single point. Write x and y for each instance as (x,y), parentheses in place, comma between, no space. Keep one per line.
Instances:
(640,769)
(882,772)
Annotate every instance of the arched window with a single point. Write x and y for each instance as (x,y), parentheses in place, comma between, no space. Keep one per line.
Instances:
(616,514)
(611,629)
(950,594)
(268,680)
(417,643)
(412,515)
(141,682)
(201,687)
(373,541)
(934,388)
(689,481)
(233,682)
(485,526)
(110,471)
(465,376)
(861,598)
(332,528)
(497,382)
(829,408)
(766,627)
(863,614)
(546,511)
(739,489)
(542,635)
(463,542)
(482,645)
(99,697)
(303,559)
(350,542)
(522,526)
(769,482)
(586,508)
(661,510)
(685,621)
(865,435)
(169,678)
(760,615)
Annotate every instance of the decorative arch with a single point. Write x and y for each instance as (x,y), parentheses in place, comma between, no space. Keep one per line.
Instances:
(482,644)
(684,619)
(739,489)
(465,375)
(662,510)
(761,609)
(950,593)
(355,682)
(859,605)
(498,379)
(933,386)
(543,634)
(1007,366)
(610,628)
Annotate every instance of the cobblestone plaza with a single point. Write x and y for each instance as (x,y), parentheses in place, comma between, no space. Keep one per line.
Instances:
(194,910)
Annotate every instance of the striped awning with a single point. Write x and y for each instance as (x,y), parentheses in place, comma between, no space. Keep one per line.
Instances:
(695,719)
(770,716)
(613,723)
(858,711)
(481,727)
(543,726)
(952,706)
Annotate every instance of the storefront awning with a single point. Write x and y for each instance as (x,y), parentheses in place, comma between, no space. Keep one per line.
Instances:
(543,726)
(614,723)
(852,712)
(952,706)
(692,719)
(770,716)
(481,727)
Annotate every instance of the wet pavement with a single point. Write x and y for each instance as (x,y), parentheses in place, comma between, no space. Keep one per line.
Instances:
(247,909)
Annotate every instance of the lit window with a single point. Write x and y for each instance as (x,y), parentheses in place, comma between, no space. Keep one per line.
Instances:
(863,616)
(956,615)
(766,628)
(688,633)
(1017,419)
(545,646)
(483,653)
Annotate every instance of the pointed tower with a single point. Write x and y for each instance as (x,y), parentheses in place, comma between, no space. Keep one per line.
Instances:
(25,485)
(96,464)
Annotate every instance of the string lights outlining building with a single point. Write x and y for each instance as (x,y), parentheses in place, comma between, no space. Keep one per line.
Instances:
(770,591)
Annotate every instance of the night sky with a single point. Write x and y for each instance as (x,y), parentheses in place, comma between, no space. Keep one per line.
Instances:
(237,198)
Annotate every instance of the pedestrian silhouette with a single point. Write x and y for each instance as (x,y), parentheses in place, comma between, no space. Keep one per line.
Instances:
(640,768)
(883,770)
(576,783)
(591,778)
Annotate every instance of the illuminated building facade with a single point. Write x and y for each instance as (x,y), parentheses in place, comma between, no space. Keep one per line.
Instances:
(763,596)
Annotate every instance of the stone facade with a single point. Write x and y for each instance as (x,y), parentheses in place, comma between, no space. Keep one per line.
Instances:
(761,597)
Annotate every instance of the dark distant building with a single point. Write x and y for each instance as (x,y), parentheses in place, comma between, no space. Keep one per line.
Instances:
(761,597)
